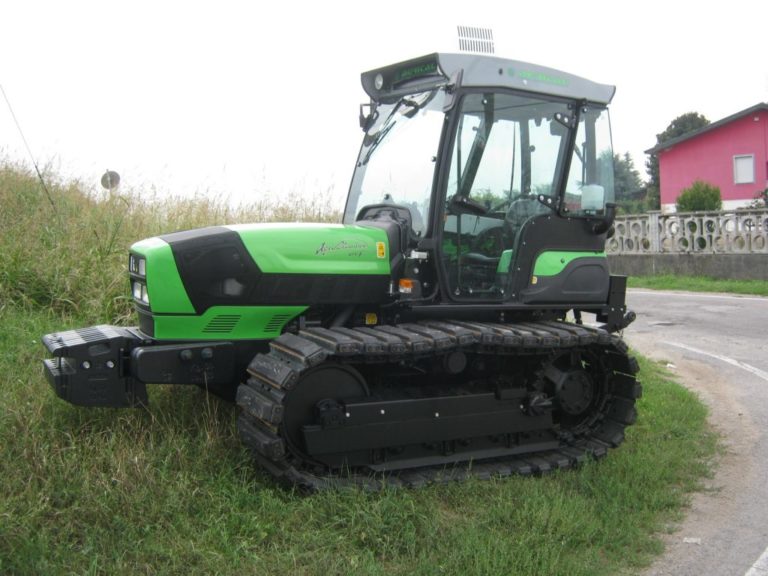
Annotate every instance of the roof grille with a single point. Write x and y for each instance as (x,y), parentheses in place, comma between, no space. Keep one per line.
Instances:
(473,39)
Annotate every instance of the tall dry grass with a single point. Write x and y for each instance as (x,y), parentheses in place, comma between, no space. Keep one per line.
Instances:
(67,252)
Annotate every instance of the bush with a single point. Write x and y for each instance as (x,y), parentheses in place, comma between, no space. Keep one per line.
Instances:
(760,200)
(700,196)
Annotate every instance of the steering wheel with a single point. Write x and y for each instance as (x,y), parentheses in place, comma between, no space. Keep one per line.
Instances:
(522,209)
(489,242)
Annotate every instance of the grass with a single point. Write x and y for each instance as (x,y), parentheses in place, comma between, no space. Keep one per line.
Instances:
(69,254)
(170,490)
(700,284)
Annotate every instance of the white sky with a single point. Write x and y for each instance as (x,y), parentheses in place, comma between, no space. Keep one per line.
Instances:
(242,99)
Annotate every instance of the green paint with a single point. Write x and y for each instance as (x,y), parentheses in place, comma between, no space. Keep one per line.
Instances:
(552,263)
(164,286)
(505,261)
(315,248)
(227,323)
(452,250)
(415,71)
(538,77)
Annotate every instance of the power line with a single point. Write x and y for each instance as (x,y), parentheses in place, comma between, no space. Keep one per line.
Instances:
(29,151)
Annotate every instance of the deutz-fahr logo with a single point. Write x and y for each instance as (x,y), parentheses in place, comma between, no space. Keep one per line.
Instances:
(354,248)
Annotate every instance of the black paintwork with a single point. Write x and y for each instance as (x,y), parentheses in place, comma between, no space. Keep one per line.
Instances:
(206,363)
(209,257)
(584,280)
(90,367)
(553,232)
(217,270)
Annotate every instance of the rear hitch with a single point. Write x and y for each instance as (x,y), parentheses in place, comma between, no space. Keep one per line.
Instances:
(615,316)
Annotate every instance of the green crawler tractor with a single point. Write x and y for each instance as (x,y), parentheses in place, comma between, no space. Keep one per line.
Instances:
(437,332)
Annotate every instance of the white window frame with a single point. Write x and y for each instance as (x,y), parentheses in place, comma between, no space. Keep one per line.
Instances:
(736,173)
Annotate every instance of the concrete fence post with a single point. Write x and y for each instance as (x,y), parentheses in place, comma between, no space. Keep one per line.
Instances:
(654,231)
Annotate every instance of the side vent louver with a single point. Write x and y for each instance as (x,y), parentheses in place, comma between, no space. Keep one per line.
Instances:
(277,322)
(222,324)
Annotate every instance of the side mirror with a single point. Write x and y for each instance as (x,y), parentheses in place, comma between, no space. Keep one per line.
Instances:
(367,119)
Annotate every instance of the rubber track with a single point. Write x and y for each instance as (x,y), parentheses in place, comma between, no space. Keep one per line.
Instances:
(273,374)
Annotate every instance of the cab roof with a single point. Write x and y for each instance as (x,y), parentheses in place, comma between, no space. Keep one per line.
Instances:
(472,70)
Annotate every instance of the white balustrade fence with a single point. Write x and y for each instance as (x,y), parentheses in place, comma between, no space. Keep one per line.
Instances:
(735,232)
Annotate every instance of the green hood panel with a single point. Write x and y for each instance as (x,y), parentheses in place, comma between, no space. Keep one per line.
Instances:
(227,323)
(189,272)
(315,248)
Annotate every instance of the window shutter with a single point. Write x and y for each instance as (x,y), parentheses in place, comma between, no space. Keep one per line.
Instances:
(743,169)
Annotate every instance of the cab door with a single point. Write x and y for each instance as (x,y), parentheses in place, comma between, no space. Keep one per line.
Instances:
(511,210)
(561,257)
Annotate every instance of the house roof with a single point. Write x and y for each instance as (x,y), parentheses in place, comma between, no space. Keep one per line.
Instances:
(707,128)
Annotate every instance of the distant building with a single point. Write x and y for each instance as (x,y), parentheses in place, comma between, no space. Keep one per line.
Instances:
(731,153)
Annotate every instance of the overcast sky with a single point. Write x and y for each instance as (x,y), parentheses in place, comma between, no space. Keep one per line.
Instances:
(244,98)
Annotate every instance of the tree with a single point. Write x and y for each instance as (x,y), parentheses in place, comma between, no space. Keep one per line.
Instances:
(626,178)
(700,196)
(683,124)
(630,189)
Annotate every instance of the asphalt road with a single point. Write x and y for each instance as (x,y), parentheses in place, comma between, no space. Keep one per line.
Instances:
(718,346)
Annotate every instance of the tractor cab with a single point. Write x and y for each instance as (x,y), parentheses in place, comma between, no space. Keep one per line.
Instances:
(497,175)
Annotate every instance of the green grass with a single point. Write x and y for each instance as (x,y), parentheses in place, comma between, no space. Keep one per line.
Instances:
(170,489)
(700,284)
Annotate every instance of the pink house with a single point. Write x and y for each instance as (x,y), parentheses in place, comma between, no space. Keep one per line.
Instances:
(731,153)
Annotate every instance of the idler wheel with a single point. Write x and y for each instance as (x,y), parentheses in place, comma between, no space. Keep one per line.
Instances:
(315,392)
(576,393)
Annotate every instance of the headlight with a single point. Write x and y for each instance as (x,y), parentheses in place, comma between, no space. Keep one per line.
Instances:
(137,265)
(139,290)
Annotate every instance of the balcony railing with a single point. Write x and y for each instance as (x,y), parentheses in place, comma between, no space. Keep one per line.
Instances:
(734,232)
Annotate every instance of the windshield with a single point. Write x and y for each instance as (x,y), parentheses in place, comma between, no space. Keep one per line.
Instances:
(398,157)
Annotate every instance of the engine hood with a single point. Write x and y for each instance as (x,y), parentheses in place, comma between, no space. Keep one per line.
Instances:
(264,264)
(316,248)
